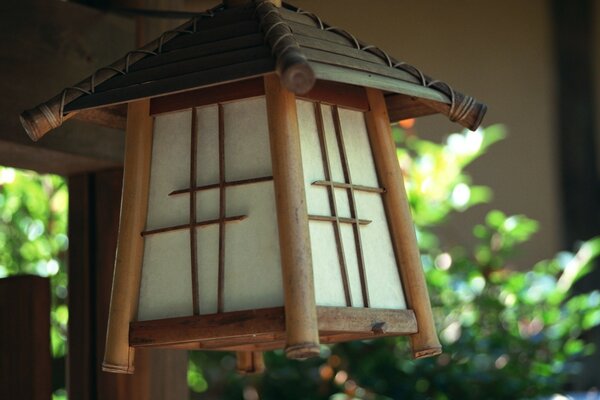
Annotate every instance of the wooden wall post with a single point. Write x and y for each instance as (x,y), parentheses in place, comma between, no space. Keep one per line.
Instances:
(425,342)
(25,365)
(134,205)
(302,335)
(93,225)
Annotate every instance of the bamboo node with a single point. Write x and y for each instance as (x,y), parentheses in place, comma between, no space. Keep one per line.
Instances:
(119,369)
(302,351)
(427,352)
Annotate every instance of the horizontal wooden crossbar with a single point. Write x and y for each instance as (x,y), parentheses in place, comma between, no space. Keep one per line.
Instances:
(341,185)
(199,224)
(226,184)
(343,220)
(265,328)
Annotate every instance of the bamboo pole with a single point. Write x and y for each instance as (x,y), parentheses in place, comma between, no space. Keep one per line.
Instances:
(119,355)
(425,342)
(250,362)
(302,335)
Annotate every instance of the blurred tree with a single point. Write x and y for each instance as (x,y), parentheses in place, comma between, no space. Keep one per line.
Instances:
(33,239)
(506,334)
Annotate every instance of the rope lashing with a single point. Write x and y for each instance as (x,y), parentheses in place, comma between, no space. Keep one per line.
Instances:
(51,117)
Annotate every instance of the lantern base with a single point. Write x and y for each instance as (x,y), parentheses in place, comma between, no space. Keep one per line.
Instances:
(264,329)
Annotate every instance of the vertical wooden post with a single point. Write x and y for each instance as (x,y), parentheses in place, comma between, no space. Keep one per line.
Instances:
(134,206)
(25,365)
(93,224)
(302,334)
(425,343)
(105,214)
(250,362)
(578,152)
(81,369)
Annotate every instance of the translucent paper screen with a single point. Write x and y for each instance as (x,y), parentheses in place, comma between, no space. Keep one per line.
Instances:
(233,161)
(353,258)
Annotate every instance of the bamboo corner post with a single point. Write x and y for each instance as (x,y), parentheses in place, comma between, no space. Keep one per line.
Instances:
(425,342)
(126,281)
(302,334)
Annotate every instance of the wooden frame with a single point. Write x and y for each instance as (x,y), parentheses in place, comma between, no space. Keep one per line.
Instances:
(265,329)
(344,95)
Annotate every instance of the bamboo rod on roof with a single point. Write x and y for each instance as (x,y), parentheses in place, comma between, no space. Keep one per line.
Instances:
(292,66)
(425,342)
(119,356)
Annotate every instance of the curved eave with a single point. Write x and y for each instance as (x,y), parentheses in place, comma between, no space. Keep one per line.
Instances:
(413,100)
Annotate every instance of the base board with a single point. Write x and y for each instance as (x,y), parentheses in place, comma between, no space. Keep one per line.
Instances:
(264,329)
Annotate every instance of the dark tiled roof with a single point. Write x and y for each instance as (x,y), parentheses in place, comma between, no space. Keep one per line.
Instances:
(228,44)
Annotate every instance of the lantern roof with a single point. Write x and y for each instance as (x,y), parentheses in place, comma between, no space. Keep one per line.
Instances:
(228,44)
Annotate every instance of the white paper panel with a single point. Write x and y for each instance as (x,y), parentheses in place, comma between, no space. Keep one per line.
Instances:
(317,200)
(166,288)
(335,160)
(252,262)
(352,265)
(342,202)
(385,288)
(207,161)
(207,239)
(207,204)
(329,288)
(247,149)
(169,170)
(358,148)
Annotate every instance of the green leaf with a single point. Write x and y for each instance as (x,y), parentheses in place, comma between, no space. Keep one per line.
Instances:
(495,219)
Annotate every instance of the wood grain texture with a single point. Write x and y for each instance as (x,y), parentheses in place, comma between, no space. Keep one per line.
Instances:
(403,107)
(347,96)
(25,365)
(81,352)
(127,275)
(292,218)
(343,95)
(104,211)
(252,323)
(425,343)
(266,329)
(210,95)
(94,201)
(114,117)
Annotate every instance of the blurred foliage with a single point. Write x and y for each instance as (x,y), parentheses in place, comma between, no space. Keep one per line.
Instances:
(506,334)
(33,239)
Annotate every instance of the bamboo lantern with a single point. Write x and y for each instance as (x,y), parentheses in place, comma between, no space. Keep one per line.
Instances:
(263,205)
